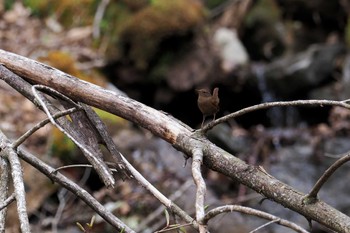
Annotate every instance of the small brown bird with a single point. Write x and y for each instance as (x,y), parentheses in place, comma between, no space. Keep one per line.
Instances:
(207,103)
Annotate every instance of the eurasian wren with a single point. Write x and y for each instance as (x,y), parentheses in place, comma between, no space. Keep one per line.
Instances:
(207,103)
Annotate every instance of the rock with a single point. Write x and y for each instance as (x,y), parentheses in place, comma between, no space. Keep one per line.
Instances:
(230,48)
(305,71)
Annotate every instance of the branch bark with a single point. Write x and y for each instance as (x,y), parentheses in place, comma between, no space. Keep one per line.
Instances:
(197,160)
(18,184)
(4,184)
(74,188)
(178,134)
(246,210)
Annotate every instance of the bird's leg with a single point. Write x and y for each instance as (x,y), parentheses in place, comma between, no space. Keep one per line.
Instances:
(203,121)
(214,116)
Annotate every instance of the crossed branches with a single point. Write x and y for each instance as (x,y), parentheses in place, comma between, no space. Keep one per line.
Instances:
(76,103)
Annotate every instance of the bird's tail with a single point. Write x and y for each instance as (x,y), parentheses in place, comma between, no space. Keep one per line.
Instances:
(216,92)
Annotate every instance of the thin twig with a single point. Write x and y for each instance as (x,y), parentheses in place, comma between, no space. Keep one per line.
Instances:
(174,227)
(41,124)
(312,196)
(7,202)
(246,210)
(173,197)
(74,188)
(64,199)
(61,204)
(98,17)
(241,112)
(72,166)
(264,225)
(163,199)
(79,165)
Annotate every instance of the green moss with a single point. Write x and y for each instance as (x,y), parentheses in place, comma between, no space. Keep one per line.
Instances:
(347,33)
(66,63)
(70,13)
(8,4)
(62,147)
(264,11)
(214,3)
(62,61)
(66,150)
(39,7)
(111,25)
(145,30)
(111,119)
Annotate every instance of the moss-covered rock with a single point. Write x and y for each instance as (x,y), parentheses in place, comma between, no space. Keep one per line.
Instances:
(146,29)
(69,13)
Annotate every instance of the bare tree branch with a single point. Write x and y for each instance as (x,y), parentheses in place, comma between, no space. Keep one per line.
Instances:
(98,17)
(7,202)
(150,217)
(264,225)
(197,160)
(95,159)
(74,188)
(180,135)
(163,199)
(246,210)
(4,185)
(7,151)
(312,196)
(41,124)
(253,108)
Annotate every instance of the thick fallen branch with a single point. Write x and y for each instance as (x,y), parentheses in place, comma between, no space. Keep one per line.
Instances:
(176,133)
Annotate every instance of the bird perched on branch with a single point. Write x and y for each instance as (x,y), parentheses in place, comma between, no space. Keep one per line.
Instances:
(207,103)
